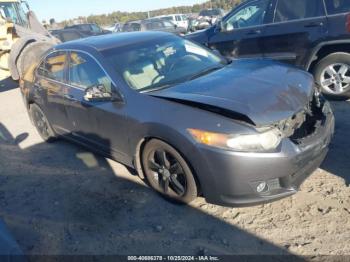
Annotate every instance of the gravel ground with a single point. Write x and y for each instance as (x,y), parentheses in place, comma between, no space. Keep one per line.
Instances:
(62,199)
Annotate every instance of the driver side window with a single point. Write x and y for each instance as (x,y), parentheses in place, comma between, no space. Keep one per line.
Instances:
(84,72)
(252,14)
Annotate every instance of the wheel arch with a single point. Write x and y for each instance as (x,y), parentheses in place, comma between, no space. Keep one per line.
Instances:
(325,49)
(138,156)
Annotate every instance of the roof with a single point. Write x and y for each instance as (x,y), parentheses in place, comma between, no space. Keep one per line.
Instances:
(110,41)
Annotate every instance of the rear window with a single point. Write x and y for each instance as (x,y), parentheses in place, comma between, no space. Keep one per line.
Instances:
(288,10)
(210,12)
(53,67)
(131,27)
(69,36)
(154,25)
(337,6)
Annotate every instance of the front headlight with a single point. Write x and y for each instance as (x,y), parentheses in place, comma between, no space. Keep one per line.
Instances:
(244,143)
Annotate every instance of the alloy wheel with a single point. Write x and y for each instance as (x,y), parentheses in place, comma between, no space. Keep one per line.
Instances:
(335,79)
(168,173)
(42,124)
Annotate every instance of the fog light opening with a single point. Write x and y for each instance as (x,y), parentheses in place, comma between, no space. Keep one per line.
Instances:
(262,187)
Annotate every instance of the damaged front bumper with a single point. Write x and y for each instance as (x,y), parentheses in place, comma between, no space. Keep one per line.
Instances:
(244,179)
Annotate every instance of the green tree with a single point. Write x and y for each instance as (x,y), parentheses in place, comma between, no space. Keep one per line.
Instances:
(118,16)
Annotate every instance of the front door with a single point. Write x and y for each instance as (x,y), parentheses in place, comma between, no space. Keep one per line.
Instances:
(101,125)
(297,27)
(241,31)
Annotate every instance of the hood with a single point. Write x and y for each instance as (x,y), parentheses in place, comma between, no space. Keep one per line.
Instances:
(260,92)
(200,36)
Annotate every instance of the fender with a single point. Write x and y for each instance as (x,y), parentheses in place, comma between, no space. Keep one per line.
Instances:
(313,55)
(187,149)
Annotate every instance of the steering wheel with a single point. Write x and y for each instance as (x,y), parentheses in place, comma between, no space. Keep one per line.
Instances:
(181,60)
(240,23)
(156,78)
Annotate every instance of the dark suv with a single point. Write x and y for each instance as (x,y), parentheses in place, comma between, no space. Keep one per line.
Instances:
(89,29)
(311,34)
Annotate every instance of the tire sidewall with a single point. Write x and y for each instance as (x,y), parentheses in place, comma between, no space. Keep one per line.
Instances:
(51,137)
(335,58)
(30,54)
(191,190)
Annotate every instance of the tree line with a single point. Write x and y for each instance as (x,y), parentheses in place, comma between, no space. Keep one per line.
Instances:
(108,19)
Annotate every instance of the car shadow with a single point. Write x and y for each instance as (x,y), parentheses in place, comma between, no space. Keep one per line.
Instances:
(59,199)
(7,85)
(338,158)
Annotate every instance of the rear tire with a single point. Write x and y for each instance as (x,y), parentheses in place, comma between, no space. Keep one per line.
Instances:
(31,55)
(332,75)
(168,173)
(42,124)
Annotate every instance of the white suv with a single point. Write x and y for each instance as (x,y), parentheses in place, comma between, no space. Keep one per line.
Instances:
(178,19)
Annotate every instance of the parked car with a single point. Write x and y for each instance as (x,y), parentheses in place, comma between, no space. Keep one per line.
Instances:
(188,120)
(89,29)
(154,24)
(313,35)
(115,28)
(178,19)
(65,35)
(208,17)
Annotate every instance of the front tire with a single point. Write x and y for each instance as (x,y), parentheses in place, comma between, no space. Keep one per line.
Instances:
(168,173)
(42,124)
(332,75)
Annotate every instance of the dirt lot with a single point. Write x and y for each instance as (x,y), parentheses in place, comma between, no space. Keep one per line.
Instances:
(62,199)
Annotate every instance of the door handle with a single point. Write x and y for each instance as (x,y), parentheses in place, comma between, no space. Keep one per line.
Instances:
(254,32)
(315,24)
(70,98)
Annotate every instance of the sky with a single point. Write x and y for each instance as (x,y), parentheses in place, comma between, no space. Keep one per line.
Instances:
(65,9)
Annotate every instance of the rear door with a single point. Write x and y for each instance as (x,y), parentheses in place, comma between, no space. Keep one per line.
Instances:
(50,85)
(338,18)
(97,124)
(298,26)
(241,31)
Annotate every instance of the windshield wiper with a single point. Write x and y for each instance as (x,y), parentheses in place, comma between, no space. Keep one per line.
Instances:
(205,72)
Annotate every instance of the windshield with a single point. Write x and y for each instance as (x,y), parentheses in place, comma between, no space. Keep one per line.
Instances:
(86,28)
(15,13)
(95,28)
(169,18)
(159,64)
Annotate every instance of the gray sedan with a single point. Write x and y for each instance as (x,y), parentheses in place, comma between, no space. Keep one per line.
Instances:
(191,123)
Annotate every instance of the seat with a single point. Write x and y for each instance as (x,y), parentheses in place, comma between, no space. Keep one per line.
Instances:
(142,74)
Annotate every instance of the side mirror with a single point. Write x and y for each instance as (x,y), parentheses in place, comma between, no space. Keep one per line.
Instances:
(219,27)
(98,94)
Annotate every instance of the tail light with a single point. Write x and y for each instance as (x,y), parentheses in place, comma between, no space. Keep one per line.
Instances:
(348,23)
